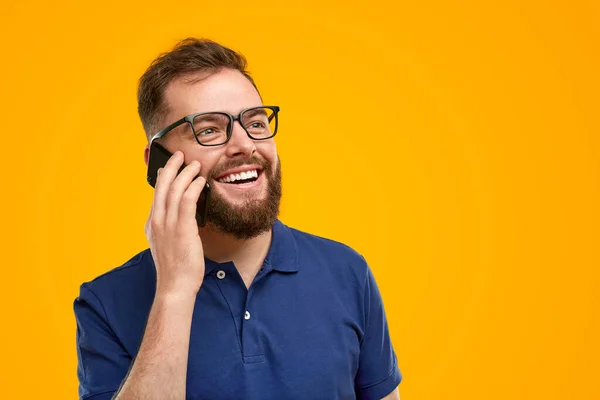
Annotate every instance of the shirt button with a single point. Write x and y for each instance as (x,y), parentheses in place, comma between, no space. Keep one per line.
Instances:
(247,315)
(221,274)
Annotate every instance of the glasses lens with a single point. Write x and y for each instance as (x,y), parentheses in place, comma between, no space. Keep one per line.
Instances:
(261,123)
(211,128)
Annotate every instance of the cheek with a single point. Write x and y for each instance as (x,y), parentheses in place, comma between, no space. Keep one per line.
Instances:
(269,152)
(207,160)
(209,165)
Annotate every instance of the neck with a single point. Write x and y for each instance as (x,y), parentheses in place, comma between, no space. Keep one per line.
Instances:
(247,254)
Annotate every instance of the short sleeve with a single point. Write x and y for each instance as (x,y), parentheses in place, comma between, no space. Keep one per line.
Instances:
(102,362)
(378,374)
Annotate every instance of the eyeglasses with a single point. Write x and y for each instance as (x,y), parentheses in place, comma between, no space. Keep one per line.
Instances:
(215,128)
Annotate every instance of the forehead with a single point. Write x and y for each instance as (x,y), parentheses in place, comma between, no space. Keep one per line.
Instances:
(226,90)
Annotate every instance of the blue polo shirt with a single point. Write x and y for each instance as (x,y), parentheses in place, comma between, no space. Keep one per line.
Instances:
(312,326)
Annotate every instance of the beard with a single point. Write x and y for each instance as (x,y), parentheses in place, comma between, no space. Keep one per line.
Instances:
(253,216)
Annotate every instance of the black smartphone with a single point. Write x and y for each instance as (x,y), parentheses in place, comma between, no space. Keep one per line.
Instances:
(158,158)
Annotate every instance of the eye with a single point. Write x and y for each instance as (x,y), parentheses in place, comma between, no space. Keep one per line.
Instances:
(256,125)
(205,132)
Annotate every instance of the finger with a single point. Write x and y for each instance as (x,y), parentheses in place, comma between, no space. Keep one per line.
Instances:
(189,200)
(163,183)
(148,221)
(178,187)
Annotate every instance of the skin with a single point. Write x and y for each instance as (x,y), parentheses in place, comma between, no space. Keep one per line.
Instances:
(177,244)
(395,395)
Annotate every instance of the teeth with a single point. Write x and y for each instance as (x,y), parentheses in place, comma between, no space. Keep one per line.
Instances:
(241,176)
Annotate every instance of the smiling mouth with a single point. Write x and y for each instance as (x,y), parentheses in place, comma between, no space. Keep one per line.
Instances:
(239,178)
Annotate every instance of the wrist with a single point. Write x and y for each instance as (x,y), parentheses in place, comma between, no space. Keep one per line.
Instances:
(176,292)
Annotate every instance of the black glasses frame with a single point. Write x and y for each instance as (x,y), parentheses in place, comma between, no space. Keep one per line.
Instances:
(232,118)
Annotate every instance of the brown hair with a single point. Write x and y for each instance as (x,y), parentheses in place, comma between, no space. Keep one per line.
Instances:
(188,56)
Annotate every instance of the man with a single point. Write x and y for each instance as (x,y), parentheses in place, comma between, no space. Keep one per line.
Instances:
(243,307)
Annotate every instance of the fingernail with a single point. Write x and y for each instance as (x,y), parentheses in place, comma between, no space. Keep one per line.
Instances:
(158,172)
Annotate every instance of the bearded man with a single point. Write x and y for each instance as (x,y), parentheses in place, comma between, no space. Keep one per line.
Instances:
(242,306)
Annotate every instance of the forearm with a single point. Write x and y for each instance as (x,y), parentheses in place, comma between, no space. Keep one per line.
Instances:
(160,367)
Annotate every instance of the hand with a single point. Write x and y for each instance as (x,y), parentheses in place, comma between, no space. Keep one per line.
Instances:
(172,229)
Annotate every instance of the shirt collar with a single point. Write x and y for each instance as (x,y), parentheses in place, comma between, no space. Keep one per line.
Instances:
(282,255)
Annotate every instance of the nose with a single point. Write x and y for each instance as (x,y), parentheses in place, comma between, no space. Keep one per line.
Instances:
(240,144)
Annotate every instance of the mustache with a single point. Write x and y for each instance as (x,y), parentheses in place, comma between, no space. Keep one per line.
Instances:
(254,160)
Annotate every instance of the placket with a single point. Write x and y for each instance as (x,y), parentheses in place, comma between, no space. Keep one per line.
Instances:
(245,316)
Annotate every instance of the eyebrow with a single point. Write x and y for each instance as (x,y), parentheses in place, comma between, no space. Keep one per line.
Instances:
(256,111)
(211,118)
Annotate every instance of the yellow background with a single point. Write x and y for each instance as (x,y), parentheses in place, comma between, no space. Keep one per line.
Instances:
(454,144)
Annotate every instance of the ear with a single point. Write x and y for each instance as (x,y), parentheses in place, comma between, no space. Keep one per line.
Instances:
(147,153)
